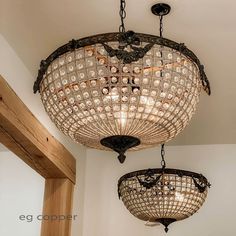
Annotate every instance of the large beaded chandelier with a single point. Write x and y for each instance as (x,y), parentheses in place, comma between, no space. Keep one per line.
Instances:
(122,90)
(163,195)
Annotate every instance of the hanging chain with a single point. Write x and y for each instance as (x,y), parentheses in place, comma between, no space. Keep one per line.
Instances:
(161,25)
(163,162)
(122,16)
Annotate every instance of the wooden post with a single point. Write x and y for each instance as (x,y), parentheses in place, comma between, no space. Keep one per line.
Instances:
(57,210)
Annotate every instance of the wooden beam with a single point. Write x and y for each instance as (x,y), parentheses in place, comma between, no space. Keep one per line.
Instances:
(57,211)
(25,136)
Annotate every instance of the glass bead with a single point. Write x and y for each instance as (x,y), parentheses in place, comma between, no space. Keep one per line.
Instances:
(64,81)
(79,98)
(153,93)
(173,88)
(83,85)
(61,61)
(101,61)
(176,79)
(114,79)
(89,53)
(67,90)
(107,108)
(146,71)
(92,73)
(114,91)
(113,69)
(71,100)
(86,113)
(167,76)
(92,111)
(132,108)
(125,69)
(156,83)
(148,62)
(82,106)
(150,101)
(158,74)
(166,106)
(145,80)
(145,92)
(58,85)
(56,75)
(73,78)
(125,89)
(158,54)
(137,70)
(182,81)
(133,99)
(93,83)
(80,66)
(154,111)
(136,80)
(89,103)
(162,95)
(184,71)
(69,58)
(105,91)
(179,91)
(97,101)
(82,75)
(75,108)
(101,72)
(102,51)
(125,80)
(86,95)
(140,109)
(116,108)
(170,56)
(124,107)
(178,69)
(124,99)
(71,68)
(166,85)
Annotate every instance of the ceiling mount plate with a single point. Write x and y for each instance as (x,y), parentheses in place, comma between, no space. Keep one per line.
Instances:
(160,9)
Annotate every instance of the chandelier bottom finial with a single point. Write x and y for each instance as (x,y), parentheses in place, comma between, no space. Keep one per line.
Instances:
(120,144)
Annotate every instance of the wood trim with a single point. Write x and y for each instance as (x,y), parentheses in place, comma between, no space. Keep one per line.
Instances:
(58,198)
(25,136)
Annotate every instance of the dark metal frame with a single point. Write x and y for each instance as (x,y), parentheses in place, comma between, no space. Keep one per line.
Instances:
(109,37)
(200,181)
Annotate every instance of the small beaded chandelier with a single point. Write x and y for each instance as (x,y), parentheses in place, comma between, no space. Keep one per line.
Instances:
(163,195)
(122,90)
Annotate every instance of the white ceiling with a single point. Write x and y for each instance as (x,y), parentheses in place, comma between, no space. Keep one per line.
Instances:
(36,28)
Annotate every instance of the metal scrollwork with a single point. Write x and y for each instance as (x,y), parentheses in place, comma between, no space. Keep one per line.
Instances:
(129,48)
(201,183)
(149,180)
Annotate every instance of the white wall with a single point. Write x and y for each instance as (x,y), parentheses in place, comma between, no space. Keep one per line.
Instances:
(21,194)
(105,215)
(21,80)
